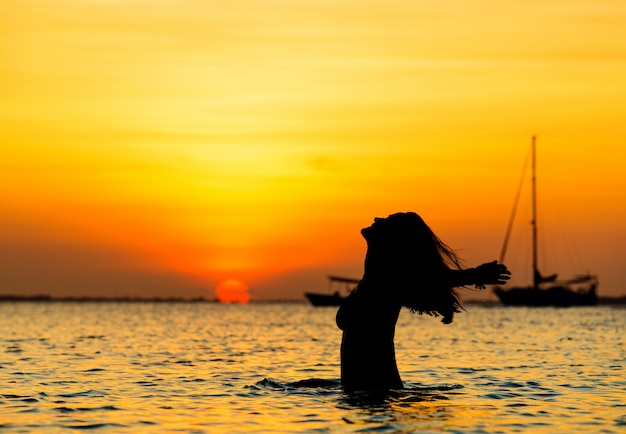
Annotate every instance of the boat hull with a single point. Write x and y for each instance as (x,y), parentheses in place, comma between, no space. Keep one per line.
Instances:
(556,296)
(324,299)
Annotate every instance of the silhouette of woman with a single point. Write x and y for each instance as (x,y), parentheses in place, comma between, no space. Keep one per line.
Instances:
(406,265)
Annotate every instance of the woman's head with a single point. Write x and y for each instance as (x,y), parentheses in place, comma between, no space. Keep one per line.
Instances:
(395,228)
(406,254)
(405,235)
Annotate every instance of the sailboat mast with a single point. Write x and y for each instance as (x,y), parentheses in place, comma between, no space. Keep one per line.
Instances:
(534,218)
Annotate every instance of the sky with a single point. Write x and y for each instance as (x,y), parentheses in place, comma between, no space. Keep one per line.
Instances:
(155,148)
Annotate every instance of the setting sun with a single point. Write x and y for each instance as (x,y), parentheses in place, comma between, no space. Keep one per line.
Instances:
(232,291)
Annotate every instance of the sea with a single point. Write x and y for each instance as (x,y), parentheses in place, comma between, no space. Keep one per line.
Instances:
(141,367)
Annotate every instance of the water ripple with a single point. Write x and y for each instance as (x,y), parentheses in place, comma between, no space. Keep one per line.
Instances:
(220,369)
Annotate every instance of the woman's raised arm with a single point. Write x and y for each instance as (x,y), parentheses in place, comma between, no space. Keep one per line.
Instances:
(489,273)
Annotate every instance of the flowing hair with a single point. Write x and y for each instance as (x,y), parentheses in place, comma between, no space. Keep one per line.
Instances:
(435,294)
(409,250)
(406,264)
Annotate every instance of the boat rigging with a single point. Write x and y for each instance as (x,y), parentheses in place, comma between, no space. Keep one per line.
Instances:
(545,290)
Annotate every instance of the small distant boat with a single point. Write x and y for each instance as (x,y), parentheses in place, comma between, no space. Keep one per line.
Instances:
(335,295)
(546,290)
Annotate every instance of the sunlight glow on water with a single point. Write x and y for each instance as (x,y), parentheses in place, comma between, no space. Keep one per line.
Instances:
(159,367)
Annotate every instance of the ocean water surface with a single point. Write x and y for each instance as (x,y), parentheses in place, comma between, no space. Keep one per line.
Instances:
(211,368)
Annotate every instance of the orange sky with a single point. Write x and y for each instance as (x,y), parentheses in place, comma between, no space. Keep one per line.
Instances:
(159,147)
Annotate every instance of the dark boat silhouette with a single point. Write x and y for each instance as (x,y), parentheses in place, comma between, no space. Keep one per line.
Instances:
(579,291)
(335,296)
(546,290)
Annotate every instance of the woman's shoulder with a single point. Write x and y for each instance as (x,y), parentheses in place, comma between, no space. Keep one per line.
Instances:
(344,313)
(363,305)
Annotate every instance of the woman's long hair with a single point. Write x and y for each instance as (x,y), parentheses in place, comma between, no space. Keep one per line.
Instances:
(416,262)
(436,295)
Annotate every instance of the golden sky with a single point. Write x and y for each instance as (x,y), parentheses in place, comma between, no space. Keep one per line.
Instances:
(160,147)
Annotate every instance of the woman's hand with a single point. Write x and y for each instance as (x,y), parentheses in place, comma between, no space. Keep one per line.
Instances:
(491,273)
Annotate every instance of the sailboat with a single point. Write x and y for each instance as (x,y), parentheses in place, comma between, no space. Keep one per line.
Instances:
(546,290)
(333,298)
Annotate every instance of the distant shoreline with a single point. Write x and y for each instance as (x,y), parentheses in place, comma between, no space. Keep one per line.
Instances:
(46,298)
(94,299)
(602,301)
